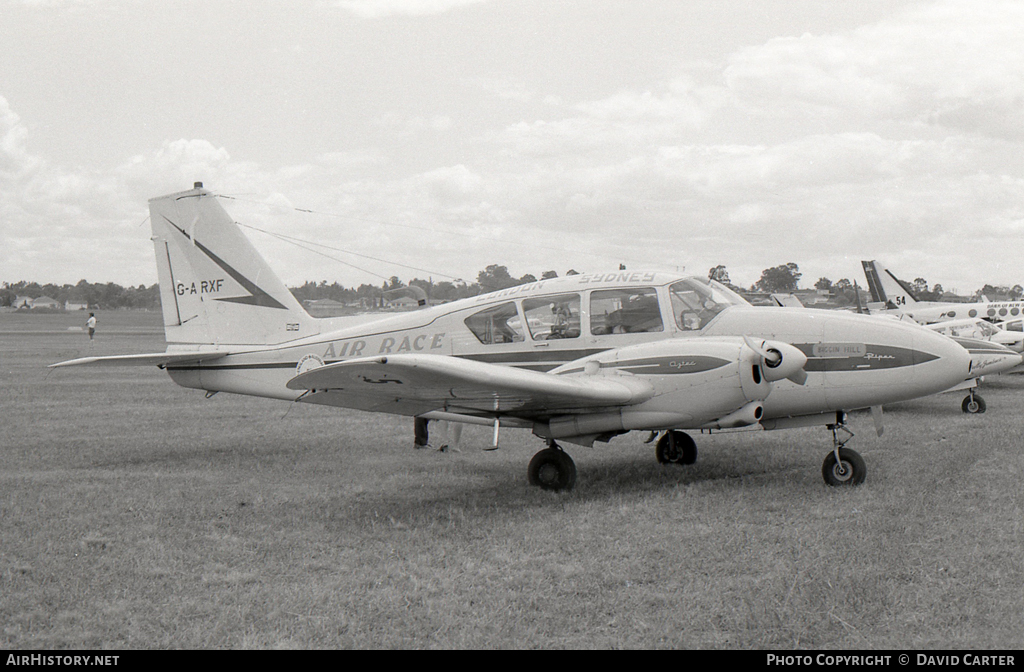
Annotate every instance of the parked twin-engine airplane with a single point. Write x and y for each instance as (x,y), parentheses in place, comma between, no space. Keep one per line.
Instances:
(969,324)
(895,295)
(576,359)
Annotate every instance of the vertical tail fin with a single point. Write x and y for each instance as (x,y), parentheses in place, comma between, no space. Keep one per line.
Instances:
(215,288)
(886,287)
(856,295)
(874,284)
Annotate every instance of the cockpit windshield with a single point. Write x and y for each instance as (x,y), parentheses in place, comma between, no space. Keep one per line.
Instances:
(695,302)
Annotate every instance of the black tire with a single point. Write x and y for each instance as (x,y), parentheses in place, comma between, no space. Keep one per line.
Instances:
(850,470)
(973,404)
(552,469)
(676,448)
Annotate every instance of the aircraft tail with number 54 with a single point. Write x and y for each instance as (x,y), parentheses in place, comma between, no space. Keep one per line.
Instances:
(896,296)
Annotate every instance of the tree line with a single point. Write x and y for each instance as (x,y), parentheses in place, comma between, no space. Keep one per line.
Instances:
(111,296)
(108,295)
(784,278)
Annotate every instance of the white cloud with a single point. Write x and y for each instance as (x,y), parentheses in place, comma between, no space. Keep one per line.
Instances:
(897,140)
(953,64)
(376,9)
(414,125)
(15,160)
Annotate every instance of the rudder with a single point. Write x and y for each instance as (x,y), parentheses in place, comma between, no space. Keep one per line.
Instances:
(215,287)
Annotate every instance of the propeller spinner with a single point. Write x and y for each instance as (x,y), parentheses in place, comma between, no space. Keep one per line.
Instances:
(779,360)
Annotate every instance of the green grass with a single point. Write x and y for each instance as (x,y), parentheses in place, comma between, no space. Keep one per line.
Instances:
(137,514)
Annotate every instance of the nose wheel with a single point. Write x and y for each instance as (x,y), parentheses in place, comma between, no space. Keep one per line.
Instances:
(843,466)
(973,403)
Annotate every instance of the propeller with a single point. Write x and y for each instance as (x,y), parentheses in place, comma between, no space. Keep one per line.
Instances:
(779,360)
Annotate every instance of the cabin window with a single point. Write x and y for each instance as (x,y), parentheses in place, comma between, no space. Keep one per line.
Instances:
(553,317)
(625,311)
(695,303)
(500,324)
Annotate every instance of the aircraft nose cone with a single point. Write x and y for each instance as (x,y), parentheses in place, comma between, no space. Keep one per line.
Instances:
(952,365)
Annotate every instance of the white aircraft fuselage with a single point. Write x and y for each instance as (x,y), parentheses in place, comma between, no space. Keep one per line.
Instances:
(853,361)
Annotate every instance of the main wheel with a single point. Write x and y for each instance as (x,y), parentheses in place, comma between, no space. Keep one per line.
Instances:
(849,470)
(676,448)
(973,403)
(552,469)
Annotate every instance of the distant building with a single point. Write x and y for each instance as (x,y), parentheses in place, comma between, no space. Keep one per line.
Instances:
(812,297)
(324,307)
(402,303)
(22,302)
(68,305)
(45,302)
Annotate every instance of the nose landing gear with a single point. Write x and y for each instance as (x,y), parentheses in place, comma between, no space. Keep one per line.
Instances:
(973,403)
(843,466)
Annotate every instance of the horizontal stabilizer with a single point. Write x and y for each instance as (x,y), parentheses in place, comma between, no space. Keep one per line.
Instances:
(151,359)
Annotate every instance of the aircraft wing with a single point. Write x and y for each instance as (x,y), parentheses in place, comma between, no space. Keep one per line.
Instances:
(150,359)
(427,382)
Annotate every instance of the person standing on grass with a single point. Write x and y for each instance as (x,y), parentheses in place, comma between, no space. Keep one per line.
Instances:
(91,325)
(452,433)
(420,433)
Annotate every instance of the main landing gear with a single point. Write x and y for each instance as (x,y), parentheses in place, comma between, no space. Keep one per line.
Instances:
(973,403)
(676,447)
(552,469)
(843,466)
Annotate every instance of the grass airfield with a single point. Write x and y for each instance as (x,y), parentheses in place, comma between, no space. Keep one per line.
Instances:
(137,514)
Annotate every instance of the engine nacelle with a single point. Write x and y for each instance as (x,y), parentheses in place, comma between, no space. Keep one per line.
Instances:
(700,382)
(750,414)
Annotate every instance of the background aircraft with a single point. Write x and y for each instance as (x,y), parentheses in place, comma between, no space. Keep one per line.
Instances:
(982,330)
(993,349)
(890,293)
(577,359)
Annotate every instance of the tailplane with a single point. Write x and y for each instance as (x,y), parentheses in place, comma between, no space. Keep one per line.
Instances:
(215,288)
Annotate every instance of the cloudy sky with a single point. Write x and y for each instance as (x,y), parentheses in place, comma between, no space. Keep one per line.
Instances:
(430,138)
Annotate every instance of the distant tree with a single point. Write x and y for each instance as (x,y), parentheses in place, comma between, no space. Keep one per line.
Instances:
(547,275)
(823,283)
(1016,292)
(843,292)
(495,277)
(426,285)
(779,279)
(920,286)
(719,274)
(370,295)
(990,292)
(572,272)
